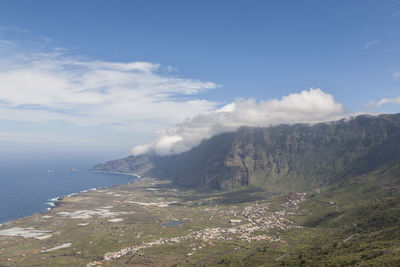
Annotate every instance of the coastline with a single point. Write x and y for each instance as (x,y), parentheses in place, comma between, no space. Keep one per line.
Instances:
(41,237)
(56,201)
(122,173)
(128,222)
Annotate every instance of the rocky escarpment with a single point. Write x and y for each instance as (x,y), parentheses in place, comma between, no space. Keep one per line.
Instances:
(131,164)
(287,157)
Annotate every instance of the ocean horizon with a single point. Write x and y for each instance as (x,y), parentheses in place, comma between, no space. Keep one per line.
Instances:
(30,187)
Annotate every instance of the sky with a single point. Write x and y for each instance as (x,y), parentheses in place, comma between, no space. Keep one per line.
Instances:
(121,77)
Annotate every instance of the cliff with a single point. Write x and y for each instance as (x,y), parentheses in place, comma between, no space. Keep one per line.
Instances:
(285,157)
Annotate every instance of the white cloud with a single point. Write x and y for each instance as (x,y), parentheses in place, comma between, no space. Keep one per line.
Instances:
(370,44)
(52,86)
(310,106)
(39,138)
(43,87)
(6,43)
(13,29)
(393,100)
(396,75)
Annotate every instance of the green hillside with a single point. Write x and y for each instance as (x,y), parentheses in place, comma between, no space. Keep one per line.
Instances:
(350,170)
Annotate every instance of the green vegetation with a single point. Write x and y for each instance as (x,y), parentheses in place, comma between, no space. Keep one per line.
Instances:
(349,216)
(355,222)
(352,223)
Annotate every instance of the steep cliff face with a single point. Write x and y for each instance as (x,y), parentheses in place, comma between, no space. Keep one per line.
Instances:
(288,157)
(308,156)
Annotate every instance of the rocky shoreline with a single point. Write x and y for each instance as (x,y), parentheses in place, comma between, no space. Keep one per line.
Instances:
(104,225)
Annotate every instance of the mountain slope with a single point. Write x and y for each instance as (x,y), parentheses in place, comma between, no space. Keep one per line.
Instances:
(280,158)
(349,169)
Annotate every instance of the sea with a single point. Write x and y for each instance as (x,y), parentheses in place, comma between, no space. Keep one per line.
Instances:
(32,186)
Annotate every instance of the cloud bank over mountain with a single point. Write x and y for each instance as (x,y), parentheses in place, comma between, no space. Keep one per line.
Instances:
(309,106)
(50,85)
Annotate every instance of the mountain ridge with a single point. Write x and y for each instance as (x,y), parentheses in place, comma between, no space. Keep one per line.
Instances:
(282,157)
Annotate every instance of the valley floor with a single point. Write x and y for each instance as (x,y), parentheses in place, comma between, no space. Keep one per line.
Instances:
(150,222)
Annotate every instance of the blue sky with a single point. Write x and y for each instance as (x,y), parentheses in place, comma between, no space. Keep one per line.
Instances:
(199,55)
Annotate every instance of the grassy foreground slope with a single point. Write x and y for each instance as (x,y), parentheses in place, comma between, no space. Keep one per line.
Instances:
(354,223)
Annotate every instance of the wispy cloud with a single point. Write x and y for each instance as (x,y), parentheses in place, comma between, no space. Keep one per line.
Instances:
(390,6)
(392,100)
(39,138)
(370,44)
(384,101)
(396,14)
(313,105)
(45,85)
(396,75)
(13,29)
(48,86)
(6,43)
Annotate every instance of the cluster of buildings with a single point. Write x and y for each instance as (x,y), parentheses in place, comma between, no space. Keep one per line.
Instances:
(252,218)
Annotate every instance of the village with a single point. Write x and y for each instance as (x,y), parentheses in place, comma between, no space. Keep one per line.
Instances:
(145,217)
(246,220)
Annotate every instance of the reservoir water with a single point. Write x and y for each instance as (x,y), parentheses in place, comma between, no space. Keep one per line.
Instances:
(172,223)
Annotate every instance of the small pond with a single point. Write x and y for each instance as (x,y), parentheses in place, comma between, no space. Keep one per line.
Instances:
(172,223)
